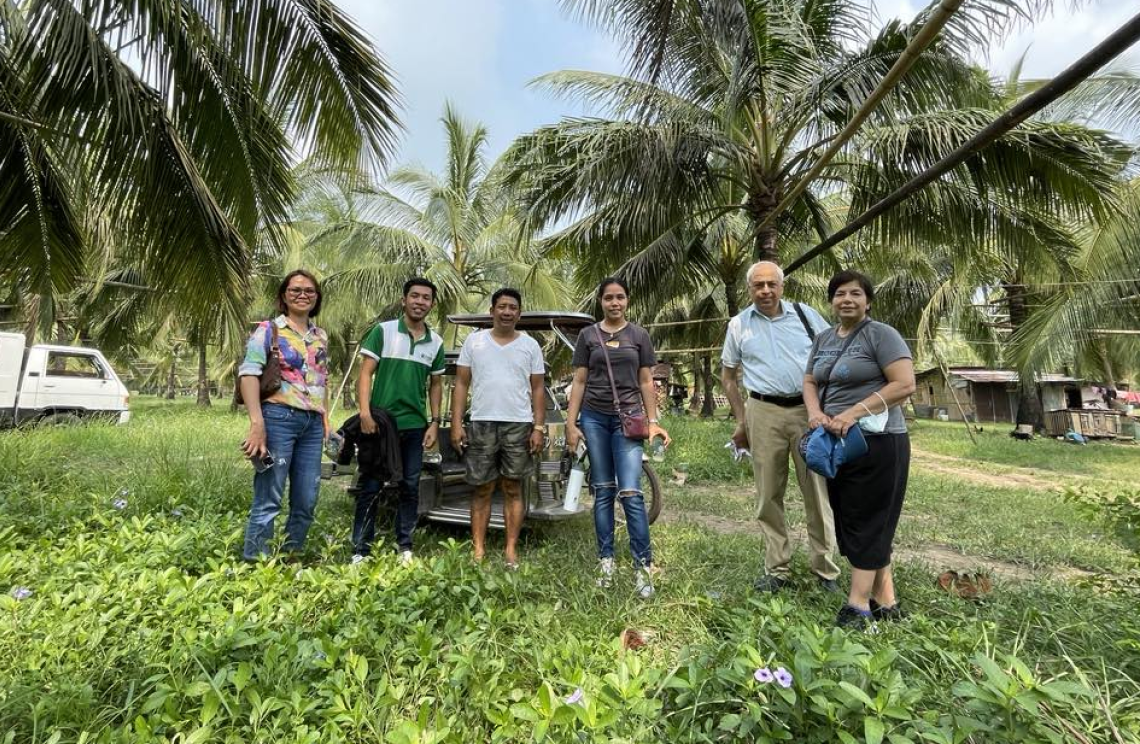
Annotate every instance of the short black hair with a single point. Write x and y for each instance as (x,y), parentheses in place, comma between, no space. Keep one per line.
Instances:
(506,292)
(612,280)
(419,281)
(846,277)
(282,309)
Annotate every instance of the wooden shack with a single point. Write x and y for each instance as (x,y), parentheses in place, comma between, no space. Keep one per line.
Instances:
(987,395)
(1092,423)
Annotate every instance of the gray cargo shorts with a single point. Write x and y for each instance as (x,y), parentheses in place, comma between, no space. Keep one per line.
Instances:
(497,449)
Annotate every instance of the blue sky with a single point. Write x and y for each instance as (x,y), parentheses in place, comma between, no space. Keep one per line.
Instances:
(480,54)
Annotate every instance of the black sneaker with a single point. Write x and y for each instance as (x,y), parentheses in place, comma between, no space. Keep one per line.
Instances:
(851,619)
(893,613)
(828,585)
(769,583)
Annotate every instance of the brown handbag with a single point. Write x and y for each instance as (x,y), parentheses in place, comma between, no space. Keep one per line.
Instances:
(269,381)
(634,422)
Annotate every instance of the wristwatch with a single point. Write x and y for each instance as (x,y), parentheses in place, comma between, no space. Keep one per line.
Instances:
(540,427)
(653,421)
(435,420)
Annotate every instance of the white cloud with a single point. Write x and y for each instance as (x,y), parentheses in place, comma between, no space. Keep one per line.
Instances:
(1055,42)
(439,50)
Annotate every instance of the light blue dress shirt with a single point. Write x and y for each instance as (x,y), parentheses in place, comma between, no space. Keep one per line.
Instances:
(773,351)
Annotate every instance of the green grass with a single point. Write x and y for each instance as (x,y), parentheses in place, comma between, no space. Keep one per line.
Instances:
(1033,528)
(1106,459)
(144,625)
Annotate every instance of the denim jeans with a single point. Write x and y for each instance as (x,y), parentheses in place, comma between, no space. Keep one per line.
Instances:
(294,438)
(407,508)
(615,471)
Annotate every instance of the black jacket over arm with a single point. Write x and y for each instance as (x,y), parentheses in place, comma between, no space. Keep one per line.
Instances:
(377,455)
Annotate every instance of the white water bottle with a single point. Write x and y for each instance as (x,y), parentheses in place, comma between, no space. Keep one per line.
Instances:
(577,478)
(574,486)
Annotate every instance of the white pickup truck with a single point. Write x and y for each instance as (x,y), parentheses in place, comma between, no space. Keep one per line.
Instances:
(57,384)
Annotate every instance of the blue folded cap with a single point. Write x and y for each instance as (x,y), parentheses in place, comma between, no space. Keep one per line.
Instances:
(824,452)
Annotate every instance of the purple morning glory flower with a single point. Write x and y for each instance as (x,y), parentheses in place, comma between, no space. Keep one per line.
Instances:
(783,677)
(21,593)
(576,696)
(764,675)
(119,504)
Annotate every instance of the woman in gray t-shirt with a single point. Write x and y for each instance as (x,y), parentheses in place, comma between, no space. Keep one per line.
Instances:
(856,370)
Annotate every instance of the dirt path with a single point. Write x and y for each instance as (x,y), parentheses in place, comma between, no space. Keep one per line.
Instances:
(969,470)
(937,556)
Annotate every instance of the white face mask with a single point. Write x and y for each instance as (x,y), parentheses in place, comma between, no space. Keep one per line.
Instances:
(876,423)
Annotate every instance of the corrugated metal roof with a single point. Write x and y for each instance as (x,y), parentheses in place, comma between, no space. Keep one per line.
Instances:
(1006,375)
(997,376)
(985,375)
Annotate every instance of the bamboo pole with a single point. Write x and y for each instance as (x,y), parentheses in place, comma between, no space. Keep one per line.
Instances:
(954,394)
(1076,73)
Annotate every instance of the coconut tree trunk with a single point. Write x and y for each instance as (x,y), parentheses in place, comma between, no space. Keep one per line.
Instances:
(732,296)
(759,206)
(347,401)
(203,377)
(709,406)
(695,398)
(170,377)
(1029,408)
(1105,359)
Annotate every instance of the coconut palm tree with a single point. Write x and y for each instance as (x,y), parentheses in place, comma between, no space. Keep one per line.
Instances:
(1021,278)
(1086,319)
(729,104)
(727,109)
(457,228)
(168,128)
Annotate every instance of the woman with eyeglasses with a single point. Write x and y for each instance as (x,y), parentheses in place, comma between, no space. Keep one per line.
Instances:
(287,429)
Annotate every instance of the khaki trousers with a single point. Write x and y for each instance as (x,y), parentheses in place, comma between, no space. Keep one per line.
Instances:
(773,434)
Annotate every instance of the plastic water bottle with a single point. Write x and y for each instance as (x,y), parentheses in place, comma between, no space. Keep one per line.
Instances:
(574,485)
(333,445)
(657,450)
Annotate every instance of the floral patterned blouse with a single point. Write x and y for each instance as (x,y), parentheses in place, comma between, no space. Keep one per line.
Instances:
(304,363)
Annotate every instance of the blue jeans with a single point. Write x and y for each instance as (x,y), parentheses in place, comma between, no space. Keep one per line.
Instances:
(294,438)
(615,471)
(407,508)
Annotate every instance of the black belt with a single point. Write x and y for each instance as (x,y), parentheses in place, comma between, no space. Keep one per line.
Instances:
(784,401)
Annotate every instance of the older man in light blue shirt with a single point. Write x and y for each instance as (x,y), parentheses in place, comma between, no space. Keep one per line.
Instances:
(770,341)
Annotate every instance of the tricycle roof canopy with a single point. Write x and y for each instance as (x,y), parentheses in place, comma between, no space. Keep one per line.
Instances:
(530,320)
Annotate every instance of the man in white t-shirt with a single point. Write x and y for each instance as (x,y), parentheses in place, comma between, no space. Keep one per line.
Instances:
(504,371)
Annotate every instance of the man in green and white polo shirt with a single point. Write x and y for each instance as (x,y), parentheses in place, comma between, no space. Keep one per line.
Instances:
(399,358)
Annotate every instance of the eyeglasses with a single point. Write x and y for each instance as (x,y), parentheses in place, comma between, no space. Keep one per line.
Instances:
(301,292)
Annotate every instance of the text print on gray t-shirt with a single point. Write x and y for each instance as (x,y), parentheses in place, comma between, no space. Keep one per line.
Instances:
(859,373)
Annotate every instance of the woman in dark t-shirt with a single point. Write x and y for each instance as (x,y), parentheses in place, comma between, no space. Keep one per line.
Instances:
(615,460)
(862,370)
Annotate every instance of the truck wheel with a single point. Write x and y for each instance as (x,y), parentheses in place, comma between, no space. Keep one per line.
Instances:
(61,419)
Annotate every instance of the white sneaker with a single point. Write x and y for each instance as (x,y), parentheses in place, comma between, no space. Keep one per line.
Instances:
(606,573)
(643,583)
(405,557)
(357,559)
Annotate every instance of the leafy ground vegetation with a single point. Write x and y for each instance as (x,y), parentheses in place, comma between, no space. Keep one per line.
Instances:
(126,615)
